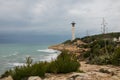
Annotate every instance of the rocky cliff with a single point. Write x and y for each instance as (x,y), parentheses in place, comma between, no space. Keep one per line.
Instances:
(74,47)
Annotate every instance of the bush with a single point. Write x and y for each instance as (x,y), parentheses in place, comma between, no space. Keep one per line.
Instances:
(101,54)
(101,60)
(86,54)
(6,74)
(116,57)
(23,72)
(64,63)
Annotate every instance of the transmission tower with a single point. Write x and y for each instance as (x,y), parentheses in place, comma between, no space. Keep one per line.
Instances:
(104,24)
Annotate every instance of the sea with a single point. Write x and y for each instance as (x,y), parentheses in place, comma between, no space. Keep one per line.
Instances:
(14,54)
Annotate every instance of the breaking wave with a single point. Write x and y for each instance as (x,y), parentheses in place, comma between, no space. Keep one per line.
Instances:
(49,51)
(17,64)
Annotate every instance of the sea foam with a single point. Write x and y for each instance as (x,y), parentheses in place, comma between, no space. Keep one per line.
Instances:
(14,54)
(49,51)
(17,64)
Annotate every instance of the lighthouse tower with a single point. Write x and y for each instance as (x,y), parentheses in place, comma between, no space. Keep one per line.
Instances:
(73,30)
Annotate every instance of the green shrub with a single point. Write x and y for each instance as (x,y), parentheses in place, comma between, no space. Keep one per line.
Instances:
(86,54)
(29,61)
(6,74)
(38,69)
(116,57)
(64,63)
(101,60)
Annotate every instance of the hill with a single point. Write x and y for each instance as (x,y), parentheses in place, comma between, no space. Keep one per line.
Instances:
(104,49)
(109,36)
(95,49)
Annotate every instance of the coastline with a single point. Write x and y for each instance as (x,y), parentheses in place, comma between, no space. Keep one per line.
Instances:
(15,55)
(89,71)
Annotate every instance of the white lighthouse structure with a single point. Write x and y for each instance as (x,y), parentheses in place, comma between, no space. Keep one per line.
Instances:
(73,30)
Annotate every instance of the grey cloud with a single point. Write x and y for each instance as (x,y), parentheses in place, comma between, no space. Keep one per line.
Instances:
(55,16)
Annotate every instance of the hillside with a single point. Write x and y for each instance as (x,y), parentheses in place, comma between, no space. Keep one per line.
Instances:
(98,54)
(95,49)
(108,36)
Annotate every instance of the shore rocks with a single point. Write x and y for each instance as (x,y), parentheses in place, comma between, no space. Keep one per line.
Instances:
(7,78)
(79,76)
(91,73)
(34,78)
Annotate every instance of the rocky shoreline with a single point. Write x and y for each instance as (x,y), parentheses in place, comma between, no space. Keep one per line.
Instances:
(90,72)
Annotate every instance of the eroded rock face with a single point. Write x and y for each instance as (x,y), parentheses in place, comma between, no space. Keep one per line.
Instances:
(7,78)
(34,78)
(70,47)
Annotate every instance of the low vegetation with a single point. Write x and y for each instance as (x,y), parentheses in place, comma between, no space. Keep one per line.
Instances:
(64,63)
(71,42)
(89,39)
(103,52)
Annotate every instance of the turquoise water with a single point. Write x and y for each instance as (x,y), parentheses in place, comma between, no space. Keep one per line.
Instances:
(12,55)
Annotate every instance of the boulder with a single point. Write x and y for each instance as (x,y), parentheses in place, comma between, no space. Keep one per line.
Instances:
(79,76)
(7,78)
(34,78)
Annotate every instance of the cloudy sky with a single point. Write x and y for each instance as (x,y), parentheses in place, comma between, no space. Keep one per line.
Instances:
(23,18)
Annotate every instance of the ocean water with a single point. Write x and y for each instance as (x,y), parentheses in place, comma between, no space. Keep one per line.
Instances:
(12,55)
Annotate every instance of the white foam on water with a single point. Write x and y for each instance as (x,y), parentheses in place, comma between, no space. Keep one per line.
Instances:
(49,50)
(53,54)
(17,64)
(50,57)
(14,54)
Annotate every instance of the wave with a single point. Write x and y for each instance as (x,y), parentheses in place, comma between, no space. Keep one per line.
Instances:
(49,57)
(17,64)
(49,51)
(14,54)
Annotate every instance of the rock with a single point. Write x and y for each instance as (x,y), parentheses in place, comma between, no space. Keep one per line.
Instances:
(70,47)
(34,78)
(70,79)
(7,78)
(79,76)
(118,74)
(56,78)
(115,78)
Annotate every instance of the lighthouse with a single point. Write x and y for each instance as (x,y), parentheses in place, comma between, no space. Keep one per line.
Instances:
(73,30)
